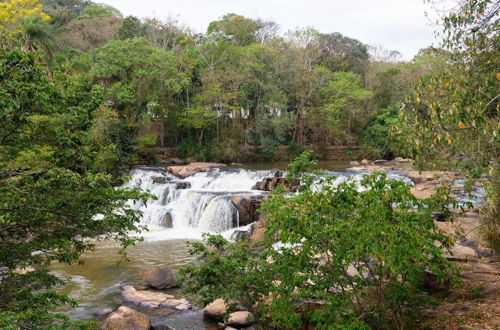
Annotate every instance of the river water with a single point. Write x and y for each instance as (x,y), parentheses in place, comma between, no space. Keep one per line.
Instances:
(197,204)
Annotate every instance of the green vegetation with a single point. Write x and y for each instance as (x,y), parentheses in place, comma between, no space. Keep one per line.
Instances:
(57,158)
(345,258)
(452,116)
(85,93)
(240,91)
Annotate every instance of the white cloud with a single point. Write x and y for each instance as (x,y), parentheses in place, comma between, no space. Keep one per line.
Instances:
(395,24)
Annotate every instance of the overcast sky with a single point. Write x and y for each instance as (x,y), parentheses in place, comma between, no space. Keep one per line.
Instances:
(394,24)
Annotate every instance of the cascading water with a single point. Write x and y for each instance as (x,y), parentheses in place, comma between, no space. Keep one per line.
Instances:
(185,208)
(191,206)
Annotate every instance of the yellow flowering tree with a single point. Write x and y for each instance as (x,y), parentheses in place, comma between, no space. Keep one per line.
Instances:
(13,12)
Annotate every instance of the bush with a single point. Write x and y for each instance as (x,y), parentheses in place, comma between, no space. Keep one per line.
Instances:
(351,255)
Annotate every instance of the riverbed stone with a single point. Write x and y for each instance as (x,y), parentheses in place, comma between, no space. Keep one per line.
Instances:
(183,171)
(153,300)
(216,309)
(126,318)
(240,319)
(160,179)
(159,277)
(104,312)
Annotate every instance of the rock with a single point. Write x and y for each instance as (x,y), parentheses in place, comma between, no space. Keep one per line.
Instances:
(146,299)
(230,328)
(216,309)
(268,184)
(159,277)
(239,235)
(259,228)
(424,190)
(153,300)
(160,179)
(240,319)
(183,185)
(354,163)
(183,171)
(104,312)
(278,174)
(126,318)
(247,207)
(167,221)
(379,162)
(365,162)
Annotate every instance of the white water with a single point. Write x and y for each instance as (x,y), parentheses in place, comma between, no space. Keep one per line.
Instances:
(203,206)
(202,202)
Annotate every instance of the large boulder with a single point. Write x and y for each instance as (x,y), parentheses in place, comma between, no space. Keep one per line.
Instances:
(247,207)
(240,319)
(216,309)
(159,277)
(126,318)
(153,300)
(183,171)
(268,184)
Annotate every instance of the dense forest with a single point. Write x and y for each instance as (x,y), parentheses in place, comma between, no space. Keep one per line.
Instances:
(85,93)
(238,92)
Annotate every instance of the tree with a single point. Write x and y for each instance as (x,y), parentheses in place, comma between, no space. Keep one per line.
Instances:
(131,28)
(137,75)
(13,11)
(453,114)
(241,29)
(54,203)
(100,10)
(349,255)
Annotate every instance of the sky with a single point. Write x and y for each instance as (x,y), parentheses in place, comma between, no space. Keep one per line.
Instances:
(393,24)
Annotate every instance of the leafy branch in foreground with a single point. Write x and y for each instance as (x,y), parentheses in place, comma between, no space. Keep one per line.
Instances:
(54,202)
(352,255)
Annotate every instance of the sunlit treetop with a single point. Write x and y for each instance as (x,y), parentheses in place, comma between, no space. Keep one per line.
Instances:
(14,11)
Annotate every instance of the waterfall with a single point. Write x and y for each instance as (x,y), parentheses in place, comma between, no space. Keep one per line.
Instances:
(185,208)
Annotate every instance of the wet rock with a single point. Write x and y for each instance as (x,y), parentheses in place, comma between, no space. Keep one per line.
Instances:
(183,171)
(216,309)
(159,277)
(240,319)
(153,300)
(146,299)
(379,162)
(167,221)
(354,163)
(365,162)
(278,174)
(126,318)
(160,179)
(239,235)
(230,328)
(247,207)
(104,312)
(268,184)
(182,185)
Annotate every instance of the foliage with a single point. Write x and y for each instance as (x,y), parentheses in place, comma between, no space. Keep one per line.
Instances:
(13,11)
(348,255)
(381,141)
(453,114)
(54,197)
(100,10)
